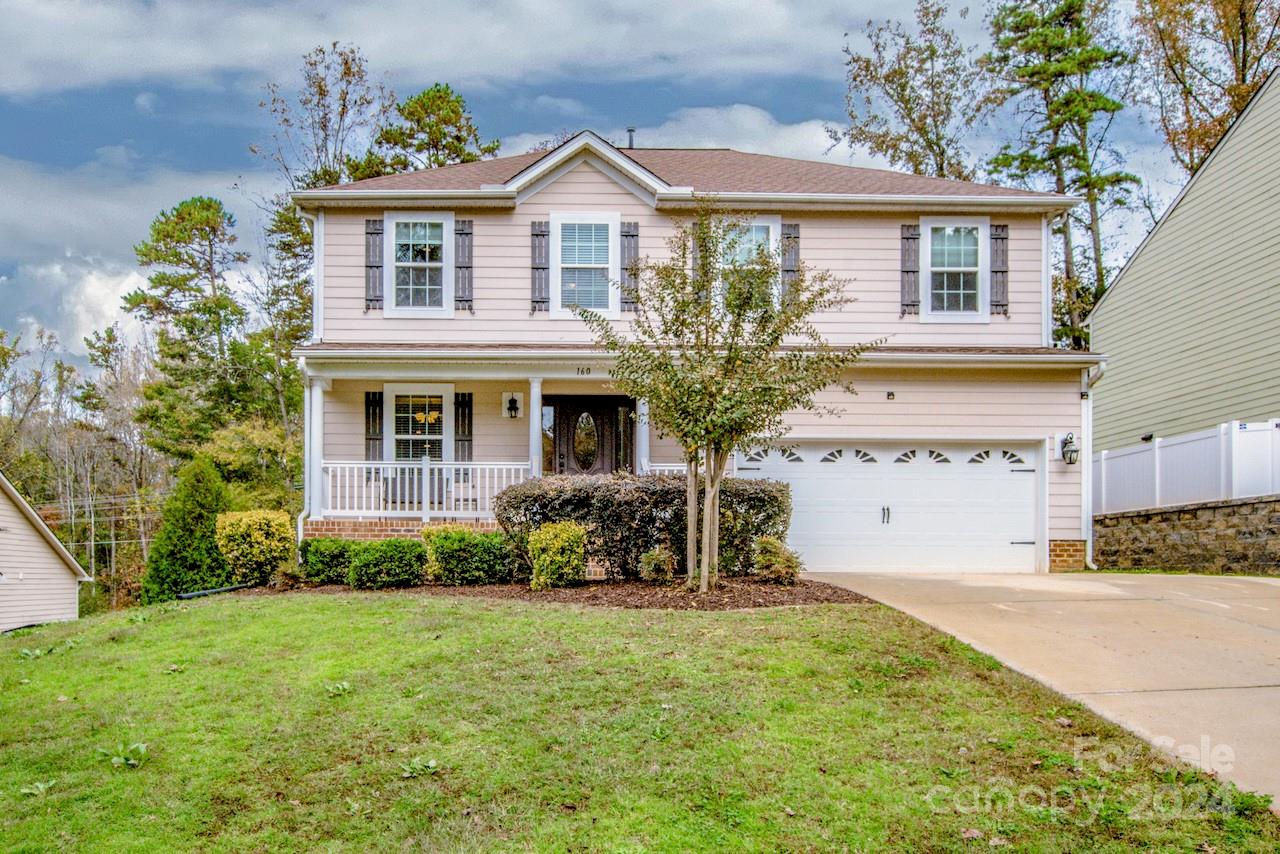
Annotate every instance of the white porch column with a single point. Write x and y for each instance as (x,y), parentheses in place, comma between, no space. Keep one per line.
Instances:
(642,437)
(315,446)
(535,426)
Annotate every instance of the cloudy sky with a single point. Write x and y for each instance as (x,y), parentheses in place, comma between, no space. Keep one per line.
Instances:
(111,111)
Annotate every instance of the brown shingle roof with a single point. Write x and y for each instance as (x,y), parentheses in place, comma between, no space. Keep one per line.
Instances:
(706,170)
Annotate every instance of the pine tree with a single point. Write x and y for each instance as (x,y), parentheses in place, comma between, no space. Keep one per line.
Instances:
(1054,59)
(184,554)
(190,252)
(434,130)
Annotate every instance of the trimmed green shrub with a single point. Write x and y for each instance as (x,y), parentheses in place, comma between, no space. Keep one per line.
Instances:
(387,563)
(559,554)
(256,544)
(467,556)
(658,565)
(626,516)
(184,555)
(326,560)
(776,563)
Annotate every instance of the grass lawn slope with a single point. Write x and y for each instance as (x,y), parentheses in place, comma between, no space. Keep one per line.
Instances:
(407,721)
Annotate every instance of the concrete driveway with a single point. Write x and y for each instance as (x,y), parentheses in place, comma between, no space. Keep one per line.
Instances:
(1191,663)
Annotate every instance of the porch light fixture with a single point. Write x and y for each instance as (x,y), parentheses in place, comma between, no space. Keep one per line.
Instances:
(513,407)
(1070,451)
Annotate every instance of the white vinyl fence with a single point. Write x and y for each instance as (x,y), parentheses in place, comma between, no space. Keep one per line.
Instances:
(1238,459)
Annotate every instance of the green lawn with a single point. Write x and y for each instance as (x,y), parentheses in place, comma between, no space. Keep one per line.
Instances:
(556,727)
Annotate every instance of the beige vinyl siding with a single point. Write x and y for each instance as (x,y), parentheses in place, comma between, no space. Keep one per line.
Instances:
(865,249)
(1018,406)
(495,438)
(37,586)
(1190,329)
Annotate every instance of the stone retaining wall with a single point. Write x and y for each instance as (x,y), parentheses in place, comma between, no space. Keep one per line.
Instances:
(1241,535)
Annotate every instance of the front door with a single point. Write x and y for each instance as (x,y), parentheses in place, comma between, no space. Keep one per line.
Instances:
(588,434)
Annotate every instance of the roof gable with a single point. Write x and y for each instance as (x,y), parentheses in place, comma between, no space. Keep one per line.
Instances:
(33,518)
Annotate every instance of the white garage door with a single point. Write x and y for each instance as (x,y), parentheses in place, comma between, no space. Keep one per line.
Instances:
(908,508)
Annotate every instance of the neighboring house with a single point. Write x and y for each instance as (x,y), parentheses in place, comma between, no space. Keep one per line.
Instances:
(39,579)
(446,363)
(1191,325)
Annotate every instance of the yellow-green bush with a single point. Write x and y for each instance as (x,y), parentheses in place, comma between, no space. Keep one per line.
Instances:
(256,544)
(775,563)
(559,554)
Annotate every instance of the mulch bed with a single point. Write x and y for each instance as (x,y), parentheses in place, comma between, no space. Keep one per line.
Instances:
(731,594)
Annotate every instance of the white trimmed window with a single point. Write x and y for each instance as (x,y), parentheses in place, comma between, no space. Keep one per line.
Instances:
(760,232)
(418,264)
(418,421)
(956,270)
(585,263)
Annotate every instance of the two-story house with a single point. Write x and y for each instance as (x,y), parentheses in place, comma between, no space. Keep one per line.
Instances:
(447,364)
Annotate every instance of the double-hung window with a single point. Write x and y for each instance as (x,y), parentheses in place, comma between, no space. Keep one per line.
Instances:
(752,236)
(955,267)
(585,263)
(418,265)
(418,423)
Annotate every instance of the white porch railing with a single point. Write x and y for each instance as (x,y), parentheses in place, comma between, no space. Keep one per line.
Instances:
(1233,460)
(415,490)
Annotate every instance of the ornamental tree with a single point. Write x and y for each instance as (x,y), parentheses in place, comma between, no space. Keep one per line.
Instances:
(722,345)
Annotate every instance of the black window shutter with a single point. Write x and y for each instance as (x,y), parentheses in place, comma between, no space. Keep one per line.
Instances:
(1000,269)
(540,266)
(463,418)
(910,270)
(462,276)
(373,425)
(372,264)
(630,235)
(790,250)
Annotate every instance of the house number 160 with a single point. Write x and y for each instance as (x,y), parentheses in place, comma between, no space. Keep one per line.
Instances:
(584,372)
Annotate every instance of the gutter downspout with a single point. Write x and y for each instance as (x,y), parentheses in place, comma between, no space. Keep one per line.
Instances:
(1088,379)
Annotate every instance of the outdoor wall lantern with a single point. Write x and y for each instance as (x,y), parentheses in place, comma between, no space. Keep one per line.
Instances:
(1070,450)
(513,407)
(512,404)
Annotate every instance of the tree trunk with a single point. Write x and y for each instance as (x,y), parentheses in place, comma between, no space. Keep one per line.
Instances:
(708,502)
(691,517)
(712,477)
(1095,232)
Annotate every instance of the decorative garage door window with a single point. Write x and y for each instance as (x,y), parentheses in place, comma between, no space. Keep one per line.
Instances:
(988,455)
(906,456)
(938,456)
(855,454)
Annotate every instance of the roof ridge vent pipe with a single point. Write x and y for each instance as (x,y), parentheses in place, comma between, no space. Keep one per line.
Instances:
(631,136)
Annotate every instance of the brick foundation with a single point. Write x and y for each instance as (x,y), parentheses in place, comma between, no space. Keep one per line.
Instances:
(379,529)
(1066,555)
(1240,535)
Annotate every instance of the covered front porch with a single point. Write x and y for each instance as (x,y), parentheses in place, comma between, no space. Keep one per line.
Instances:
(411,447)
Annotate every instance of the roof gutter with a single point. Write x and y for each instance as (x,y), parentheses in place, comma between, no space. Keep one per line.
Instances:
(872,357)
(497,196)
(871,201)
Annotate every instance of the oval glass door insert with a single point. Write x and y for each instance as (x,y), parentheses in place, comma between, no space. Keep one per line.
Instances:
(586,442)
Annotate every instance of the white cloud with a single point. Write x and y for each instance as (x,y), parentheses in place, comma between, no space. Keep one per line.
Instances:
(86,43)
(145,103)
(568,107)
(740,126)
(69,234)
